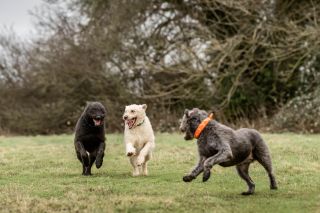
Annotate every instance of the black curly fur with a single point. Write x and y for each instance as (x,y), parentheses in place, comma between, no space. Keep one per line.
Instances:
(89,139)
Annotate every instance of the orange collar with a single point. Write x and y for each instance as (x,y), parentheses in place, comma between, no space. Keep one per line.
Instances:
(203,125)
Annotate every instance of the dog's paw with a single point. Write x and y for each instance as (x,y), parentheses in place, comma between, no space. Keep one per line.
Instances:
(131,153)
(99,162)
(247,193)
(187,178)
(135,173)
(86,171)
(206,175)
(274,187)
(86,174)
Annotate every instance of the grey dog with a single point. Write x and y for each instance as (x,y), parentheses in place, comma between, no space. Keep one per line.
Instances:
(219,144)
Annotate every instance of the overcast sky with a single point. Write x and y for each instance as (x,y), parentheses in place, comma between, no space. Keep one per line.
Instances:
(15,14)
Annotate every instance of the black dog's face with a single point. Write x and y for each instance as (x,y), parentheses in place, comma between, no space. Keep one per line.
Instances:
(95,112)
(189,122)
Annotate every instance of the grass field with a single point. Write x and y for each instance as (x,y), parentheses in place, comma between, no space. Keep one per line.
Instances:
(42,174)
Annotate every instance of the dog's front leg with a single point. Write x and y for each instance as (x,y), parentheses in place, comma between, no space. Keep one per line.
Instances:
(83,153)
(83,157)
(100,154)
(144,152)
(196,171)
(130,150)
(223,155)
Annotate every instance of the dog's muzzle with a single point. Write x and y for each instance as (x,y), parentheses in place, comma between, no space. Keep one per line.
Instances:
(98,120)
(130,122)
(188,137)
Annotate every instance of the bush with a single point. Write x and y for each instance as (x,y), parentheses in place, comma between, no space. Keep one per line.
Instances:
(301,114)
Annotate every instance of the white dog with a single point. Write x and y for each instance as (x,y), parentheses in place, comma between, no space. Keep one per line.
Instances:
(138,138)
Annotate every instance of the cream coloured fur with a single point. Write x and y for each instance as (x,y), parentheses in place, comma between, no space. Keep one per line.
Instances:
(138,138)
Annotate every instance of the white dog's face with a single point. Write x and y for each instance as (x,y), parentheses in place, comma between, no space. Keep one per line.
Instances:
(134,114)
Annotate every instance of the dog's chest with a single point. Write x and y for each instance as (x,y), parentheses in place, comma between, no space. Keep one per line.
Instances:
(139,138)
(206,150)
(91,142)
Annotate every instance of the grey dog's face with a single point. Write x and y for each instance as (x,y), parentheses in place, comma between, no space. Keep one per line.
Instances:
(190,121)
(96,113)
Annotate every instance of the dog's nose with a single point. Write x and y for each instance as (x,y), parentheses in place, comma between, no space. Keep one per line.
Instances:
(98,117)
(125,117)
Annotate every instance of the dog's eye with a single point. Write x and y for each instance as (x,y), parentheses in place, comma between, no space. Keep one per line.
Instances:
(132,111)
(191,119)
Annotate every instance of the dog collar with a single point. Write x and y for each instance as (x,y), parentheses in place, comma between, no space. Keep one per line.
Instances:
(140,123)
(203,125)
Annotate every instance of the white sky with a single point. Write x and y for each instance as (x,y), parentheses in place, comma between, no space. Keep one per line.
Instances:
(15,14)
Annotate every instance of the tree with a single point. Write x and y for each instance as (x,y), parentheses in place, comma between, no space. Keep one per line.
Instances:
(241,57)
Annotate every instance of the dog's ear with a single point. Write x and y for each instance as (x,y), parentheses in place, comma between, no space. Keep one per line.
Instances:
(216,112)
(144,106)
(186,112)
(191,112)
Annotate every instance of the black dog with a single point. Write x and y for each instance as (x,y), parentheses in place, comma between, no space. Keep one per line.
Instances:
(89,139)
(219,144)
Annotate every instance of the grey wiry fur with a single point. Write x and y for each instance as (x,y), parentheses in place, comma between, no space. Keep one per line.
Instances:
(219,144)
(89,138)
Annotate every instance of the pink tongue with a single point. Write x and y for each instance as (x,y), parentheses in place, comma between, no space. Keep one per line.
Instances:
(96,122)
(130,123)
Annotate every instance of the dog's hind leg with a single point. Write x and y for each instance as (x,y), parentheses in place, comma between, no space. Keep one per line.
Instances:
(265,161)
(136,170)
(262,155)
(146,150)
(145,166)
(243,171)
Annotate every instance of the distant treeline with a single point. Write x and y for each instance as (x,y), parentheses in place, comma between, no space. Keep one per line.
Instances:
(255,62)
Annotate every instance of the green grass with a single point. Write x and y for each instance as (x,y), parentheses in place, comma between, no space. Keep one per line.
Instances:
(42,174)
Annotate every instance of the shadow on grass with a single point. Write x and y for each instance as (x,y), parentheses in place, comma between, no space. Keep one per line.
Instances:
(106,174)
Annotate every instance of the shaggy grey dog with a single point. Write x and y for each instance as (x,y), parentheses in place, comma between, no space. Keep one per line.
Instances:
(89,138)
(219,144)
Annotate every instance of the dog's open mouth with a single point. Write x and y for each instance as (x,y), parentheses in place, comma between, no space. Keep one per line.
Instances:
(97,122)
(131,122)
